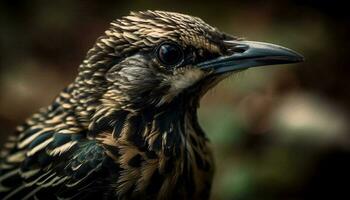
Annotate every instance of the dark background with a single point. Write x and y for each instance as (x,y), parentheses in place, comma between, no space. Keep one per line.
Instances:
(277,132)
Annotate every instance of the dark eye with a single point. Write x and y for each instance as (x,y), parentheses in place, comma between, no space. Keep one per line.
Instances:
(170,54)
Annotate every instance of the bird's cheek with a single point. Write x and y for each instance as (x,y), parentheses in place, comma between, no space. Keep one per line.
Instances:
(182,81)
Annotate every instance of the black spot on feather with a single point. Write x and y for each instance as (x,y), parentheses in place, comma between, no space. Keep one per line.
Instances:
(155,182)
(151,155)
(135,161)
(135,134)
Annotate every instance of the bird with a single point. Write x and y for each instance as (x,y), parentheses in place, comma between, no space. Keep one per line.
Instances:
(127,127)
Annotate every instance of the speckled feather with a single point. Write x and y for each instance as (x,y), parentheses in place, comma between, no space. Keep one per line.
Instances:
(126,127)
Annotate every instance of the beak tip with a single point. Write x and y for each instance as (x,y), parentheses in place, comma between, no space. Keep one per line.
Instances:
(301,58)
(298,58)
(294,56)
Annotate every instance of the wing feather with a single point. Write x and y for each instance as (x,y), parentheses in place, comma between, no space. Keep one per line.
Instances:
(44,160)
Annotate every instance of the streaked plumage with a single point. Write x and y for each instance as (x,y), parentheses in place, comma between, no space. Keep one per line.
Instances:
(126,128)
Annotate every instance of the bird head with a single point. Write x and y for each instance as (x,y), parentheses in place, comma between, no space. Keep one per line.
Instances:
(151,59)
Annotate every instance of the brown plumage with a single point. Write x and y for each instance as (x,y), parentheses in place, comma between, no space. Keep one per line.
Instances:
(127,128)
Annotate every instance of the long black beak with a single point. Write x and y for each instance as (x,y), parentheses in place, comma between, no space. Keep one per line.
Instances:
(246,54)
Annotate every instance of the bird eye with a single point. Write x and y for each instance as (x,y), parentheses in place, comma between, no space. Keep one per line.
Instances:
(170,54)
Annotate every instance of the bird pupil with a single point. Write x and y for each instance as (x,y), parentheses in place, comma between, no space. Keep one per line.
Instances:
(170,54)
